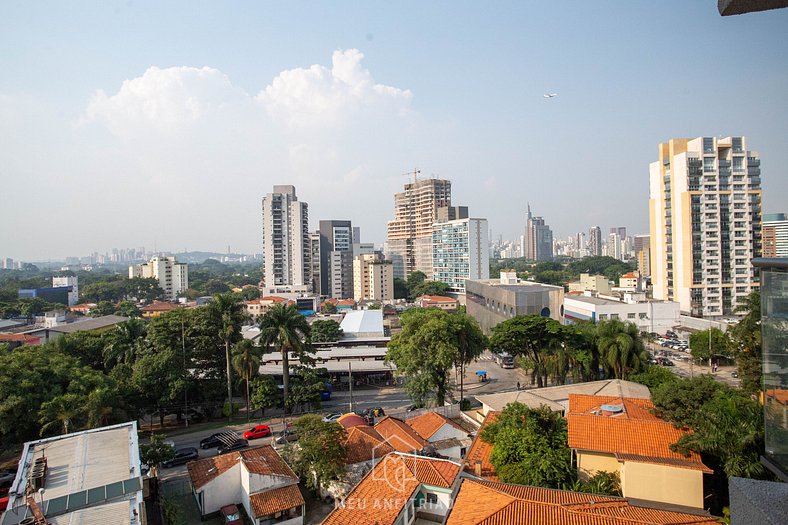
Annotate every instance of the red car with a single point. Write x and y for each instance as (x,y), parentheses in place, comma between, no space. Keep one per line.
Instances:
(231,515)
(260,431)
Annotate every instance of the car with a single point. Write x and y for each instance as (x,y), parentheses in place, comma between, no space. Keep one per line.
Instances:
(332,418)
(7,475)
(373,412)
(257,432)
(218,439)
(735,374)
(231,515)
(232,447)
(182,455)
(284,438)
(667,362)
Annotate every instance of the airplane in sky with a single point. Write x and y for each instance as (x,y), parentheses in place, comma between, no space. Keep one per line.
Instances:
(550,95)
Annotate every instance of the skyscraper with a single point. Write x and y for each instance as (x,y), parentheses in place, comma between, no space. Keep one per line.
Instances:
(595,241)
(409,240)
(538,238)
(173,276)
(775,235)
(460,251)
(705,214)
(643,254)
(286,244)
(336,259)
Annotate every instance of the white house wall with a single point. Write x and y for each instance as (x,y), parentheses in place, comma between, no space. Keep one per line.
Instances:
(222,490)
(448,431)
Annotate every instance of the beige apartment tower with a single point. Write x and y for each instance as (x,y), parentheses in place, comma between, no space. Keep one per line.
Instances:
(373,278)
(705,217)
(409,240)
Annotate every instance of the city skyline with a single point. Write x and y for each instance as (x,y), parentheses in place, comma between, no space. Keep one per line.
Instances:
(209,111)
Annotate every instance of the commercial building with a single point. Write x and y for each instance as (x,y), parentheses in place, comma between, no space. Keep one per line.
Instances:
(287,249)
(336,259)
(460,251)
(642,246)
(71,281)
(775,235)
(373,278)
(647,315)
(91,476)
(491,301)
(58,294)
(538,238)
(173,276)
(705,215)
(591,283)
(595,241)
(409,239)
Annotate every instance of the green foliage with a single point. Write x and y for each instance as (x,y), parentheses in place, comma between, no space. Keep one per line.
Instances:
(530,447)
(246,362)
(328,308)
(117,288)
(173,513)
(306,385)
(265,393)
(620,347)
(680,401)
(746,343)
(531,336)
(127,309)
(103,308)
(704,346)
(400,288)
(320,455)
(156,452)
(429,288)
(250,293)
(226,315)
(325,330)
(605,483)
(654,377)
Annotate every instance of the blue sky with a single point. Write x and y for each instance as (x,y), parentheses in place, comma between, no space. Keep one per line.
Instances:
(139,123)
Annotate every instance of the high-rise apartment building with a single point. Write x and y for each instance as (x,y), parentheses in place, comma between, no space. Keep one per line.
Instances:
(173,276)
(336,259)
(460,251)
(538,238)
(705,214)
(314,262)
(642,247)
(286,242)
(595,241)
(409,240)
(373,278)
(775,235)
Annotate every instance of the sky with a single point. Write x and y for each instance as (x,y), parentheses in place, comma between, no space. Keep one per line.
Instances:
(163,124)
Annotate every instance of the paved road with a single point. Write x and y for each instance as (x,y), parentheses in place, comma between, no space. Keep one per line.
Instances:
(685,367)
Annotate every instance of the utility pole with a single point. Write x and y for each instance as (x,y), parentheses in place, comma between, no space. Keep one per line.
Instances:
(186,385)
(350,382)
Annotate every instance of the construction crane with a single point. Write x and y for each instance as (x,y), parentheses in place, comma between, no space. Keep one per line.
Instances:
(415,174)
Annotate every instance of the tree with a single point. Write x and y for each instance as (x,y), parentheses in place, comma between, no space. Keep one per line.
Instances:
(306,387)
(654,377)
(102,308)
(621,347)
(328,308)
(246,361)
(430,288)
(284,328)
(320,455)
(159,379)
(155,453)
(325,331)
(531,336)
(602,482)
(707,344)
(127,309)
(60,411)
(426,350)
(227,314)
(530,447)
(250,293)
(681,401)
(470,343)
(745,337)
(215,287)
(124,341)
(400,288)
(265,393)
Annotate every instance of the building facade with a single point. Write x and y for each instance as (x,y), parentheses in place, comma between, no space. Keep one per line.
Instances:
(173,276)
(286,241)
(460,251)
(336,259)
(538,238)
(642,246)
(648,316)
(595,241)
(373,278)
(775,235)
(705,216)
(409,239)
(71,281)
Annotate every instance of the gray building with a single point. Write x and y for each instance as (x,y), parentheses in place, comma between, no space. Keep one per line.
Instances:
(595,240)
(491,301)
(336,259)
(538,239)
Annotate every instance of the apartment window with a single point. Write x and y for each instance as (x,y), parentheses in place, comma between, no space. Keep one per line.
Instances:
(708,145)
(708,164)
(602,317)
(642,315)
(738,163)
(631,316)
(614,316)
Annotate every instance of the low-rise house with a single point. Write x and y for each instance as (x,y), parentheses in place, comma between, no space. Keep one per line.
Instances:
(17,340)
(449,304)
(622,435)
(364,447)
(480,502)
(444,435)
(156,308)
(95,324)
(258,307)
(401,489)
(257,478)
(400,436)
(82,308)
(477,461)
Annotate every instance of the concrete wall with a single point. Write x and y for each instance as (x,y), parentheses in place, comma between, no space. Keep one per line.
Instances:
(448,431)
(678,486)
(222,490)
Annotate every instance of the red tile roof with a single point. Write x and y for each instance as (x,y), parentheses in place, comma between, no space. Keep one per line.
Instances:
(382,494)
(481,451)
(437,299)
(159,306)
(634,434)
(19,338)
(427,424)
(365,444)
(399,435)
(276,500)
(489,503)
(259,460)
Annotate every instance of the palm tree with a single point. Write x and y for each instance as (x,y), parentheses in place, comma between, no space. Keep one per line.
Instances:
(246,361)
(227,313)
(620,346)
(284,328)
(122,346)
(60,410)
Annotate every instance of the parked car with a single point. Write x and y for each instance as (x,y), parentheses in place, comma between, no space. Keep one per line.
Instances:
(182,455)
(257,432)
(667,362)
(237,445)
(372,411)
(218,439)
(286,437)
(735,374)
(332,418)
(231,515)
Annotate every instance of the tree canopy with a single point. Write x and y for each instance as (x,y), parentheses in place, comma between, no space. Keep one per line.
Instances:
(325,331)
(320,454)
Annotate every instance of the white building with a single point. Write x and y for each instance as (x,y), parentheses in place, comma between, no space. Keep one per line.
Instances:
(172,275)
(590,283)
(73,282)
(648,316)
(91,476)
(373,278)
(460,251)
(705,216)
(286,242)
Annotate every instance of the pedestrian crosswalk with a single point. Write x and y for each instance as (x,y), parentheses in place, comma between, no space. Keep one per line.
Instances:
(485,357)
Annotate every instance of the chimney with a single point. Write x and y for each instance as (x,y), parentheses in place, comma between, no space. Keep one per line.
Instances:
(477,468)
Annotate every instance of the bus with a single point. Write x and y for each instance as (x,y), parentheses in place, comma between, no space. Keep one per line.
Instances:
(504,360)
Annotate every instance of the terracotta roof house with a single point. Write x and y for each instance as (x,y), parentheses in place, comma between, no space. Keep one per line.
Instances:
(156,308)
(619,434)
(401,488)
(477,461)
(257,307)
(437,301)
(17,340)
(364,448)
(447,437)
(400,436)
(257,478)
(480,502)
(82,308)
